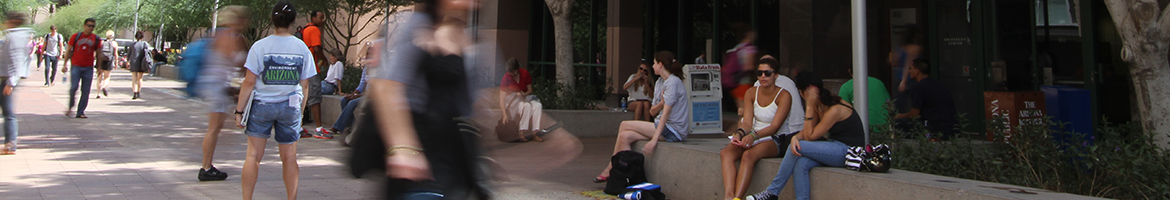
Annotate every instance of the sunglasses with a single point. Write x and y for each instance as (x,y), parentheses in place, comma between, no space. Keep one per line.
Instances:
(90,25)
(765,72)
(643,69)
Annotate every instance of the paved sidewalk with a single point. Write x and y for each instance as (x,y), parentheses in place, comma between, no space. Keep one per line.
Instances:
(149,149)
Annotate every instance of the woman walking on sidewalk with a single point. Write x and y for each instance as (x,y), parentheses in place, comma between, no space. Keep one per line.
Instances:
(138,63)
(222,64)
(283,65)
(106,63)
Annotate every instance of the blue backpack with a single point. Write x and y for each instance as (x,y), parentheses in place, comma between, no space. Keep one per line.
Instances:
(192,63)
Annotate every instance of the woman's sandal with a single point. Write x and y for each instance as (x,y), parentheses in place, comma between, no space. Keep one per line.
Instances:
(82,116)
(600,179)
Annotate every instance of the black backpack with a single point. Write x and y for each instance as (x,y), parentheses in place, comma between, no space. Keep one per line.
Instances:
(627,170)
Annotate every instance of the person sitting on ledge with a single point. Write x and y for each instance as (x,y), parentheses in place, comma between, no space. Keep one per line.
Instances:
(517,101)
(831,126)
(773,94)
(670,126)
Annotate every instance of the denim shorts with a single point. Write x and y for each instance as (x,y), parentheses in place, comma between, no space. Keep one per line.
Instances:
(669,135)
(265,117)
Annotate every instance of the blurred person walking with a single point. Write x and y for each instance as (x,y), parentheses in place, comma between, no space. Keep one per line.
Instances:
(106,62)
(38,50)
(228,53)
(54,44)
(415,94)
(139,63)
(283,65)
(83,49)
(13,67)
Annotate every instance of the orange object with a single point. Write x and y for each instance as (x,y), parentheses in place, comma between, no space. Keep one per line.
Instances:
(740,91)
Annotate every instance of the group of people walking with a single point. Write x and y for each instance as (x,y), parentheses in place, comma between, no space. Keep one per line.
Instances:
(84,51)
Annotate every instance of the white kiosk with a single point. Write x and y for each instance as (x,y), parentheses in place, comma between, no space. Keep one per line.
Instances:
(706,98)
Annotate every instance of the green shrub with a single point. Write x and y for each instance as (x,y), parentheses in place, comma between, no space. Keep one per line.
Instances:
(350,78)
(554,95)
(1122,162)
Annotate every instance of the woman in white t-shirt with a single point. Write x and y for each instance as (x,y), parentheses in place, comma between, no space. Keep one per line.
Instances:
(640,88)
(332,82)
(279,67)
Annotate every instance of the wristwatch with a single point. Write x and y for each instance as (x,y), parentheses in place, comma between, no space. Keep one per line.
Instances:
(239,112)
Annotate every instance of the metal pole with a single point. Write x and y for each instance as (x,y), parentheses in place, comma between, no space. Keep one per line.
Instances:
(214,16)
(137,6)
(860,70)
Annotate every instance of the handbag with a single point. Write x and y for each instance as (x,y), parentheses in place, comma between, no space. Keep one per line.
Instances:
(863,159)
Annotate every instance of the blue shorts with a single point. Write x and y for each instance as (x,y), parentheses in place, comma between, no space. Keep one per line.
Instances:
(669,135)
(265,117)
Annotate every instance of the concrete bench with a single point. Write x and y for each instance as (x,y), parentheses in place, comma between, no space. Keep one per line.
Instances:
(691,170)
(168,71)
(330,109)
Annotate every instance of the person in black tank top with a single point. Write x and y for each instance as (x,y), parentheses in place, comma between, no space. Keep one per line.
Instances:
(831,126)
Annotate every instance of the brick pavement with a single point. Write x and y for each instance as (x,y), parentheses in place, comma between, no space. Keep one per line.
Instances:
(149,149)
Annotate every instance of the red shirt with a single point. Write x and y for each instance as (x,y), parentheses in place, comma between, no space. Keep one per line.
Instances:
(312,38)
(83,47)
(509,84)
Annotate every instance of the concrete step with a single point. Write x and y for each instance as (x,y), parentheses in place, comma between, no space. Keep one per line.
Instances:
(691,170)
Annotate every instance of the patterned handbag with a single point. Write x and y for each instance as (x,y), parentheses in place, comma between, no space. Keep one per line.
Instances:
(868,160)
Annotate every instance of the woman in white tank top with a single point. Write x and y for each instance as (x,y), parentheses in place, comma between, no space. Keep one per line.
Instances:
(754,138)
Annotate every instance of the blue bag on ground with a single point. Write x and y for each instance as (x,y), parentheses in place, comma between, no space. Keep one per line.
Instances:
(192,63)
(644,191)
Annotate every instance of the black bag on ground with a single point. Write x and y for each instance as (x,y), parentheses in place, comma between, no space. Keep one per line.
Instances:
(627,170)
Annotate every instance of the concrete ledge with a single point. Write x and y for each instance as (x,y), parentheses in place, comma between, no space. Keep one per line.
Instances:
(330,109)
(168,71)
(691,170)
(590,123)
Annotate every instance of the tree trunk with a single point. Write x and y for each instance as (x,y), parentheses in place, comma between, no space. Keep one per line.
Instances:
(1144,30)
(564,40)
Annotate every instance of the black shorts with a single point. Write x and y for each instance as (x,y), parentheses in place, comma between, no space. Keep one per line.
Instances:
(105,65)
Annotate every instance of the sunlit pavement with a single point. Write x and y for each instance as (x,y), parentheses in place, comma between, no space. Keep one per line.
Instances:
(150,149)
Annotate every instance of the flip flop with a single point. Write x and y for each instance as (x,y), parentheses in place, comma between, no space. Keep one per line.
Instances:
(82,116)
(600,179)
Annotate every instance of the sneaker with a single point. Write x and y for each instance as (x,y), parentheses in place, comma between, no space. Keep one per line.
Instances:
(324,131)
(212,174)
(9,149)
(320,135)
(761,196)
(305,133)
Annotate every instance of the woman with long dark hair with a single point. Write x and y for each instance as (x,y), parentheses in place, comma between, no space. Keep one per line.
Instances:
(671,125)
(831,126)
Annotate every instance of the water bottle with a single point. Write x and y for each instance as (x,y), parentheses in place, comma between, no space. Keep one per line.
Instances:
(624,103)
(635,195)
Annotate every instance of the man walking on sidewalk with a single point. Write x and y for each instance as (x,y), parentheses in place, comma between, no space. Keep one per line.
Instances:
(54,44)
(13,67)
(82,51)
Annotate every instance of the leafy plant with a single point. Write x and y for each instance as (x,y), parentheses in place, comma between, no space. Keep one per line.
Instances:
(1123,162)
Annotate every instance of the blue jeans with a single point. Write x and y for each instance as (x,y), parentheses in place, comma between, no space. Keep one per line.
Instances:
(813,154)
(82,76)
(50,69)
(346,118)
(265,117)
(9,114)
(327,88)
